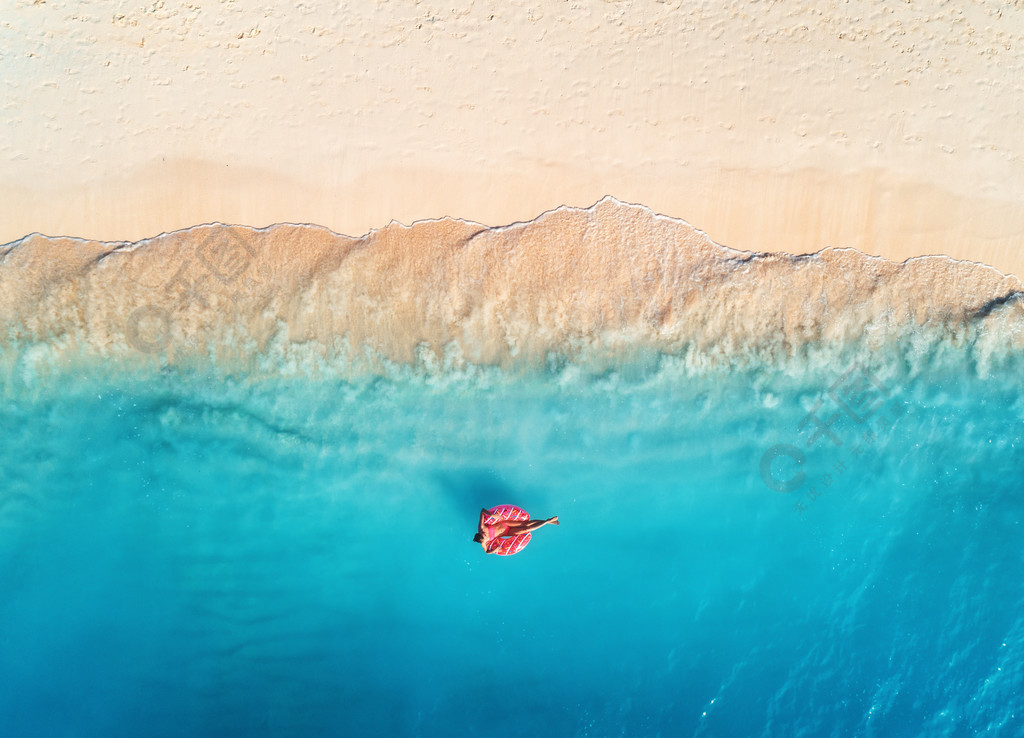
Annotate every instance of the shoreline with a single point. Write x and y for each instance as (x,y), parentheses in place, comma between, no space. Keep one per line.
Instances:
(804,212)
(184,231)
(445,293)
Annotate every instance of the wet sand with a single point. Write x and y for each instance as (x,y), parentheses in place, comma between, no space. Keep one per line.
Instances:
(614,285)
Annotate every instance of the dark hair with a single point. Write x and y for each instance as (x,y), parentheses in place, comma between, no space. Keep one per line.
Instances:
(479,537)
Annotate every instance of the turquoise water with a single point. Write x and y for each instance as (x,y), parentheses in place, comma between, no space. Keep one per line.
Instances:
(191,556)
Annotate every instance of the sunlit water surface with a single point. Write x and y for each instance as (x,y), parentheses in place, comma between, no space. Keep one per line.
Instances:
(184,556)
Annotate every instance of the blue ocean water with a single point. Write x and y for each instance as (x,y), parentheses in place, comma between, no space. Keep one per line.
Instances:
(191,555)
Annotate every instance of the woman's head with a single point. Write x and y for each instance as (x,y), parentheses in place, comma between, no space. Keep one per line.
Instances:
(478,538)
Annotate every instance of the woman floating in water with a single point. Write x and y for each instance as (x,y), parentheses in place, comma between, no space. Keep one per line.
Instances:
(506,529)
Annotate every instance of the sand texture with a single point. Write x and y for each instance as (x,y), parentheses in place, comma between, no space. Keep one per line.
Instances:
(891,127)
(605,286)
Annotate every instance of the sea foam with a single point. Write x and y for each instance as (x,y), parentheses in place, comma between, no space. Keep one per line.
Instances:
(606,286)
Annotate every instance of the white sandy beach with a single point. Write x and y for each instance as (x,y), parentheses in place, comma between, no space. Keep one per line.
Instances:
(890,127)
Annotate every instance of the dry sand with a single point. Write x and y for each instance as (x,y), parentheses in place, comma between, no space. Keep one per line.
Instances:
(887,126)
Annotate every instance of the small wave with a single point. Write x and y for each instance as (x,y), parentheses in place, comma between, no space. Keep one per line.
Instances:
(602,287)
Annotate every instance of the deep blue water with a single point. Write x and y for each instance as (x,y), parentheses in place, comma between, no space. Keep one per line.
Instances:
(190,556)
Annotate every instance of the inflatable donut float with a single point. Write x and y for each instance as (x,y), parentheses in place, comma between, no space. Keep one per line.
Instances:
(508,546)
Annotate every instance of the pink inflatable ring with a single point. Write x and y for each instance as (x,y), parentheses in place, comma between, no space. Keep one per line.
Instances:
(508,546)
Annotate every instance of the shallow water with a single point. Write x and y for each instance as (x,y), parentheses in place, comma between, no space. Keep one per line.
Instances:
(184,555)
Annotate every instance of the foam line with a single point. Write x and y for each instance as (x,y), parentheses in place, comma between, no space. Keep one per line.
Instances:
(600,285)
